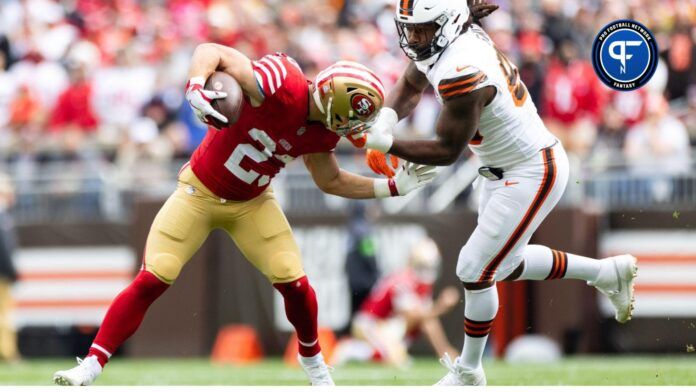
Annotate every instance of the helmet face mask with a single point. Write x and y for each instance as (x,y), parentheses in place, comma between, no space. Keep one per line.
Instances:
(421,41)
(427,27)
(349,95)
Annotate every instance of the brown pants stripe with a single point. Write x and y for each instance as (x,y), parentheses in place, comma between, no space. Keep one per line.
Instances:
(544,190)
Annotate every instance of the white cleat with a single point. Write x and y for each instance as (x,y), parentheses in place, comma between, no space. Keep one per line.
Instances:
(458,375)
(318,372)
(86,371)
(615,280)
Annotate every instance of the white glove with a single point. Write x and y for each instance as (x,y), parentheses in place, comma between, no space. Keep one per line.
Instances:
(408,179)
(378,135)
(200,99)
(378,141)
(385,121)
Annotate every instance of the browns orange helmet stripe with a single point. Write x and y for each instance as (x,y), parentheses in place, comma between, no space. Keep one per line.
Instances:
(406,7)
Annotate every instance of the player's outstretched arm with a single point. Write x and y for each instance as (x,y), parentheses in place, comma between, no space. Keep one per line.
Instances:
(407,91)
(331,179)
(400,102)
(210,57)
(455,127)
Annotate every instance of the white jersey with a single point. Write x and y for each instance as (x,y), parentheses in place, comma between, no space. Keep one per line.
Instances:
(510,130)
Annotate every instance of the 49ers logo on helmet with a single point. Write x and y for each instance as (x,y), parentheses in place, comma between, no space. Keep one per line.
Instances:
(362,105)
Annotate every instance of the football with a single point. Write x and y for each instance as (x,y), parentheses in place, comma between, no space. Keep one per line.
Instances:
(231,106)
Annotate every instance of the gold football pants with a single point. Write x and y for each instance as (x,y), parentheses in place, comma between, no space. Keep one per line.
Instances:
(258,227)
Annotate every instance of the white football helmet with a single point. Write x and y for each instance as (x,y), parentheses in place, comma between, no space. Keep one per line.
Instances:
(445,18)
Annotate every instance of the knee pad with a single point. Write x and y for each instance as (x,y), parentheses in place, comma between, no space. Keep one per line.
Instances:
(469,267)
(165,266)
(285,267)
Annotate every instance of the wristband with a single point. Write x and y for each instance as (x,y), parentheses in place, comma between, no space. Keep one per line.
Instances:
(385,188)
(392,187)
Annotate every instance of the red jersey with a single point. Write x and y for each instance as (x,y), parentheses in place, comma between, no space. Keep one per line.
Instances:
(400,290)
(238,162)
(572,92)
(630,104)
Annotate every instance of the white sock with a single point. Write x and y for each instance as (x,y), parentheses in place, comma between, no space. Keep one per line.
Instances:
(480,308)
(542,263)
(311,360)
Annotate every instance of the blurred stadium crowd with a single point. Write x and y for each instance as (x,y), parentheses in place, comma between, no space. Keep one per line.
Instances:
(102,80)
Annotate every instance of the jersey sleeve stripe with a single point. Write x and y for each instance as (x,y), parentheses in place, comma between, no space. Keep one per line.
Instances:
(459,92)
(458,81)
(458,85)
(281,66)
(276,72)
(461,88)
(266,76)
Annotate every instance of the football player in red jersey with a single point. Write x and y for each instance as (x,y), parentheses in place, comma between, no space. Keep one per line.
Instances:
(398,309)
(226,185)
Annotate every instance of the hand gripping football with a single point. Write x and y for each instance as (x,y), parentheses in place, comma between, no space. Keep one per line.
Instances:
(230,106)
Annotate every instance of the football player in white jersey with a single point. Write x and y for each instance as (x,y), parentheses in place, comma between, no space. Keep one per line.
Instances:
(524,169)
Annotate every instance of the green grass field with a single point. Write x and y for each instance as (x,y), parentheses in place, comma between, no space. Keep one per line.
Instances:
(619,370)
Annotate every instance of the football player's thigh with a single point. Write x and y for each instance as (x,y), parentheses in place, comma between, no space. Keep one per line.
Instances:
(495,224)
(179,229)
(549,202)
(264,236)
(506,225)
(514,257)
